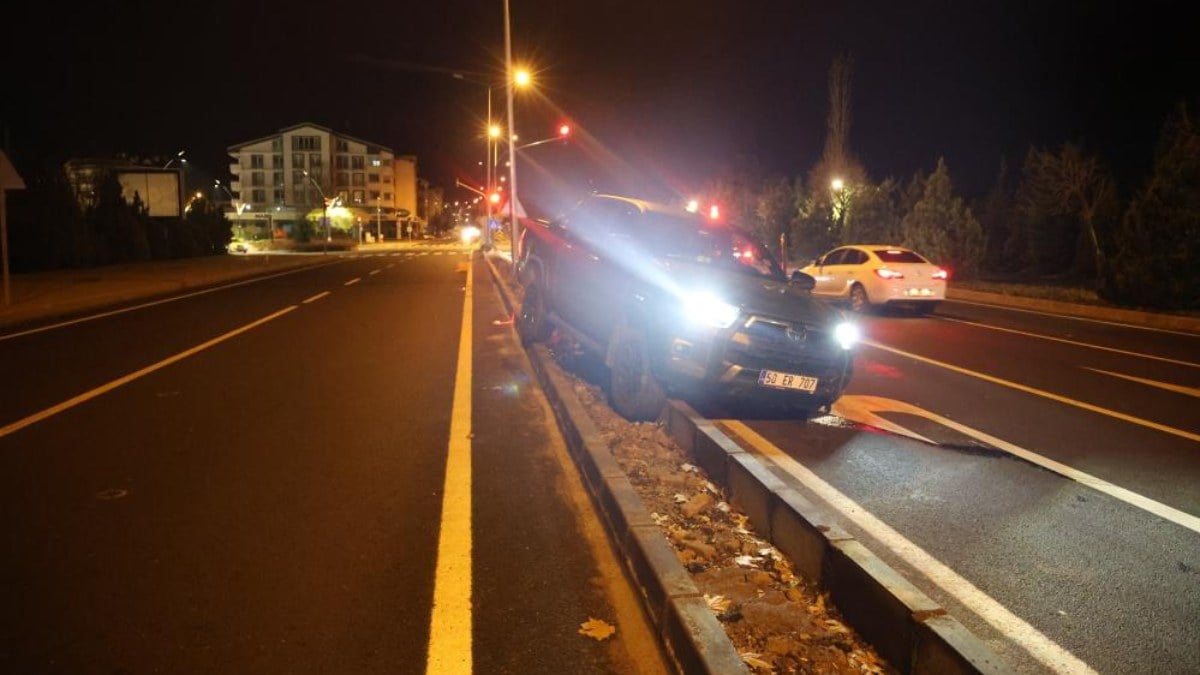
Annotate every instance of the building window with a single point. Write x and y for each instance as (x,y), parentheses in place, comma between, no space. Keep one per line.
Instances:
(342,162)
(277,160)
(298,160)
(277,144)
(376,162)
(343,195)
(358,196)
(387,162)
(256,161)
(356,179)
(343,146)
(373,195)
(372,178)
(358,162)
(298,178)
(314,160)
(258,196)
(343,178)
(387,196)
(306,142)
(256,179)
(277,178)
(278,195)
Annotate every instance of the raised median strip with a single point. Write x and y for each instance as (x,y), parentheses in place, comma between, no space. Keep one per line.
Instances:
(1098,312)
(906,627)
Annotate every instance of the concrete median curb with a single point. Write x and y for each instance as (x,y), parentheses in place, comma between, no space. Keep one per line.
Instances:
(691,633)
(910,630)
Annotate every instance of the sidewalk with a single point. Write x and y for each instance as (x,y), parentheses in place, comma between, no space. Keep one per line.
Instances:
(60,293)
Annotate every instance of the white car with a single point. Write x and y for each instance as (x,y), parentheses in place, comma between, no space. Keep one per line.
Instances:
(868,275)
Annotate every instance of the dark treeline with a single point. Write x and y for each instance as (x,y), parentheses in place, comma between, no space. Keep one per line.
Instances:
(1059,220)
(49,229)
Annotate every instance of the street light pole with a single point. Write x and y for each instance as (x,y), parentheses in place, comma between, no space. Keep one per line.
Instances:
(512,138)
(324,212)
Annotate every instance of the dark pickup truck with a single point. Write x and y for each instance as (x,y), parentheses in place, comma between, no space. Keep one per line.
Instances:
(674,302)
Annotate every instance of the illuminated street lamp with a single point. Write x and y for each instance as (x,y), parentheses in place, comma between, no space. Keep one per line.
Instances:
(837,184)
(178,157)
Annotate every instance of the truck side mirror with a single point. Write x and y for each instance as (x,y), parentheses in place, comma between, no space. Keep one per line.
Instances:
(802,281)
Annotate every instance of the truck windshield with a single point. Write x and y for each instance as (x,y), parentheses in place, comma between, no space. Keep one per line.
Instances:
(724,247)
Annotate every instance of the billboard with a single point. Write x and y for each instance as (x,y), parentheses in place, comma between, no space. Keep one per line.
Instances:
(159,190)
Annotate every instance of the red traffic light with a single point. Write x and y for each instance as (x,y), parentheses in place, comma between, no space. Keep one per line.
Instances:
(564,130)
(494,198)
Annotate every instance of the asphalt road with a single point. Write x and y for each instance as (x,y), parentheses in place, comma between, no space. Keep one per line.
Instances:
(251,480)
(1055,509)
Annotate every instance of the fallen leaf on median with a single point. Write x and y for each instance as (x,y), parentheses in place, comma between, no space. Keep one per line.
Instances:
(596,629)
(752,659)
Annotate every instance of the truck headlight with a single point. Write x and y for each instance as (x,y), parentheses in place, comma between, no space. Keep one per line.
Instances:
(846,334)
(706,309)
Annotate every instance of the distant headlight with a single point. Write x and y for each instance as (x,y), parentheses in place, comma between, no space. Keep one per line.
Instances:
(706,309)
(470,233)
(846,334)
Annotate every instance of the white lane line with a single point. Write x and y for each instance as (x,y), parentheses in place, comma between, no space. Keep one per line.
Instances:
(373,272)
(875,404)
(389,266)
(316,297)
(1177,388)
(1016,629)
(1040,392)
(353,281)
(1073,342)
(1076,318)
(105,388)
(91,317)
(450,634)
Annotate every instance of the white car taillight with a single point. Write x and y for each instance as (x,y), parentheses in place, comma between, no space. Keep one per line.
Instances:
(941,274)
(885,273)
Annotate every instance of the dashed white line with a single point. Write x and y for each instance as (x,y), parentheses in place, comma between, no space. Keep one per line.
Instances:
(1040,392)
(316,297)
(373,272)
(105,388)
(1074,342)
(353,281)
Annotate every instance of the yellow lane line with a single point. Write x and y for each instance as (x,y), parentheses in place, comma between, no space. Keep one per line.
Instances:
(314,298)
(374,272)
(1013,627)
(1177,388)
(105,388)
(1040,392)
(353,281)
(1075,343)
(450,622)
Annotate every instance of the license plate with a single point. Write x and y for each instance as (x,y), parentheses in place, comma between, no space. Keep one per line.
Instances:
(774,378)
(918,292)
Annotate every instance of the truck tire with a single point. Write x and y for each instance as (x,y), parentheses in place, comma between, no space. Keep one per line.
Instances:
(533,324)
(633,390)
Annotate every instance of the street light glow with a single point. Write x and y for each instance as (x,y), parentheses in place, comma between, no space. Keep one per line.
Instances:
(494,131)
(693,205)
(837,184)
(522,78)
(564,130)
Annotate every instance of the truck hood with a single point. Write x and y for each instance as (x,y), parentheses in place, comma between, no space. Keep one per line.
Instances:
(757,295)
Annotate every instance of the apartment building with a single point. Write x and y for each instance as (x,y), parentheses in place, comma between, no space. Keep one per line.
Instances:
(288,173)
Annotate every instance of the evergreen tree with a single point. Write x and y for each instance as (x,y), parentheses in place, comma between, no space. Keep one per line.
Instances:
(872,214)
(776,210)
(995,216)
(942,228)
(1157,244)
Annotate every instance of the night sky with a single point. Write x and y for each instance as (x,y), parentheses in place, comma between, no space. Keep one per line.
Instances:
(666,95)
